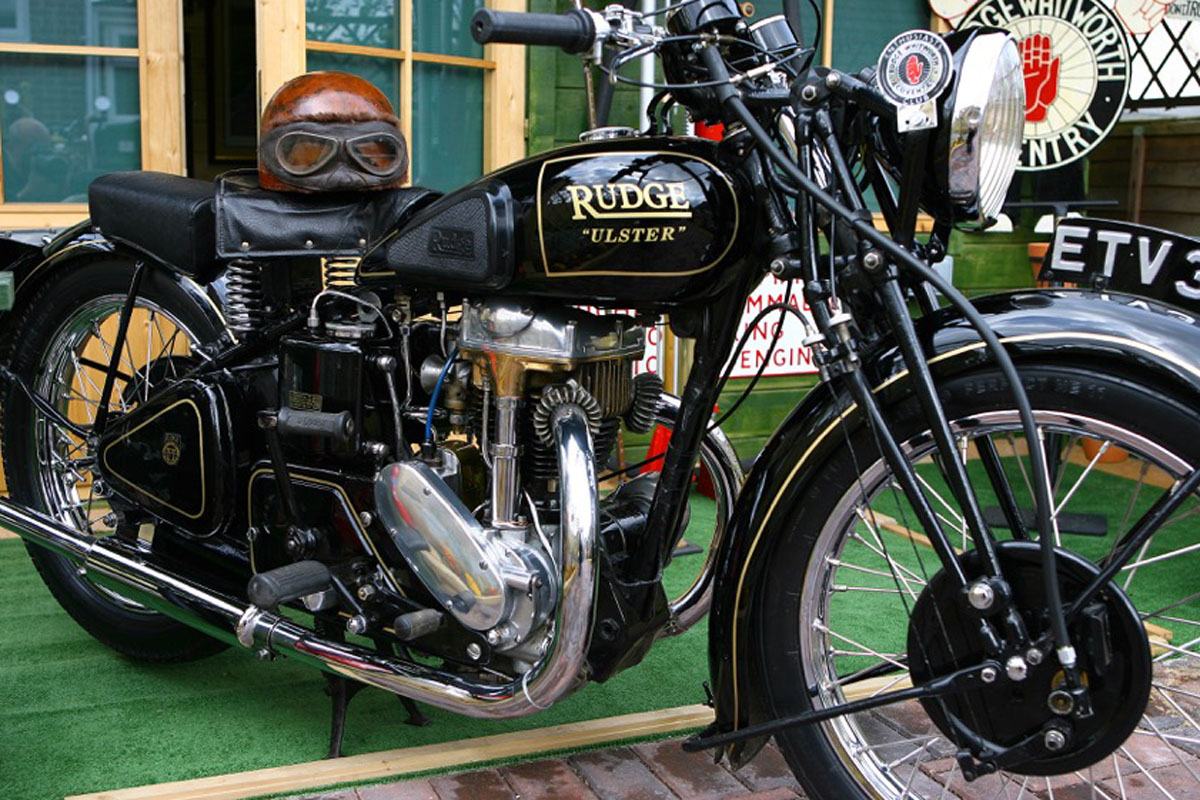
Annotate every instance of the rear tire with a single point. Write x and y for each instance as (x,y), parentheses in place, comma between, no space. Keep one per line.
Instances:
(46,468)
(871,755)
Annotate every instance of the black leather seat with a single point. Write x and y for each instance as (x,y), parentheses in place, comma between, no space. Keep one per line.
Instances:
(167,216)
(195,227)
(255,223)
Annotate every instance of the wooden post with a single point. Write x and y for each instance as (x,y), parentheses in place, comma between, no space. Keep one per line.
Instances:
(1137,174)
(406,79)
(827,35)
(504,99)
(281,51)
(160,79)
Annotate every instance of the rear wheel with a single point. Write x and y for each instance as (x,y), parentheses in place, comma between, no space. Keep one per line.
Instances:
(65,339)
(858,607)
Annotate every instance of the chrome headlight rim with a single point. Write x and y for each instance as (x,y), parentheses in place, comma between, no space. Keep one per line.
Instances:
(986,124)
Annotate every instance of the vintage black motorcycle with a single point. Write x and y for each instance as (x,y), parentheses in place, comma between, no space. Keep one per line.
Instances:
(373,431)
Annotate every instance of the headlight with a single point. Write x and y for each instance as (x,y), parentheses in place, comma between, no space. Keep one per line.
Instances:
(986,124)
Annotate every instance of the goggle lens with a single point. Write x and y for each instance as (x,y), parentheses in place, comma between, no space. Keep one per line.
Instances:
(381,154)
(303,153)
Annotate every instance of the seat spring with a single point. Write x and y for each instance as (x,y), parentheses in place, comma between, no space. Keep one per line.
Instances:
(339,272)
(243,281)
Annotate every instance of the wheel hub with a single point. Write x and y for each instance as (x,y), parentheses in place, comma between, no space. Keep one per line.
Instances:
(1113,657)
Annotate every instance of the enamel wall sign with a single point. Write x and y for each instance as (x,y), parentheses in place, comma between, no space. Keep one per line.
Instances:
(1076,61)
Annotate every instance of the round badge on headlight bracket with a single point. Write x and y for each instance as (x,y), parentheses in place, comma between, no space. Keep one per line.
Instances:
(914,69)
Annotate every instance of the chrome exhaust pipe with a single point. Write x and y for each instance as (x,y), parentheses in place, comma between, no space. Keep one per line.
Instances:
(124,568)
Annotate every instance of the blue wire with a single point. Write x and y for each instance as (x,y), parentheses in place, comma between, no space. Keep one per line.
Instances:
(437,390)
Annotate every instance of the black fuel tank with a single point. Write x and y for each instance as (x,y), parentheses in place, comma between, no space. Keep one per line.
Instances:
(638,222)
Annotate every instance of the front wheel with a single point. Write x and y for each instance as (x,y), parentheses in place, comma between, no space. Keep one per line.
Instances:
(858,603)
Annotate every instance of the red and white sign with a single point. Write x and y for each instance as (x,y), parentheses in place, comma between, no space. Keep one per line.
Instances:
(790,356)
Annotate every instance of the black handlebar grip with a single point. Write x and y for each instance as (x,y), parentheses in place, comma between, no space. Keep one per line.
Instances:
(574,31)
(339,427)
(288,583)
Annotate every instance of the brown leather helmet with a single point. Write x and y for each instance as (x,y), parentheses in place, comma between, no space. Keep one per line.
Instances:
(330,132)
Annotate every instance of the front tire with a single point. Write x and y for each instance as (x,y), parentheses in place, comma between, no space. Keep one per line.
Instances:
(68,324)
(847,571)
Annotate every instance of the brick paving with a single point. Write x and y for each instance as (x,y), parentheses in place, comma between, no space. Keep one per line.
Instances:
(1161,760)
(653,771)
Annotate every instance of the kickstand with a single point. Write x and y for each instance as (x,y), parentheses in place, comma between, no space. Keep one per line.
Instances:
(341,692)
(415,717)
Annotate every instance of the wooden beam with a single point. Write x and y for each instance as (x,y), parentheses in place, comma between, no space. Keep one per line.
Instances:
(504,99)
(827,35)
(1137,175)
(396,763)
(160,76)
(33,216)
(281,53)
(69,50)
(405,111)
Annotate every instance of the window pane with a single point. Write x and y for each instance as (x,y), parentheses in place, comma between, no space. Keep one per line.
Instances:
(445,28)
(383,72)
(65,121)
(374,23)
(448,144)
(97,23)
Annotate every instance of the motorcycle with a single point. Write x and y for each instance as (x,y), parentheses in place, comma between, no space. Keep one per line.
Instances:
(372,432)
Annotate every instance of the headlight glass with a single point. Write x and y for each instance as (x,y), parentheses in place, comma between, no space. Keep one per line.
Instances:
(986,127)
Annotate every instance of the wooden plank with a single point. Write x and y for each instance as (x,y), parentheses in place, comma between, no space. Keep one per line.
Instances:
(1187,175)
(355,49)
(465,61)
(406,80)
(1171,199)
(29,216)
(1137,176)
(504,99)
(68,50)
(280,45)
(160,76)
(395,763)
(827,35)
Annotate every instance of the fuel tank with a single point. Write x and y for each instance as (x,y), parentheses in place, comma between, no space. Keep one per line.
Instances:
(638,222)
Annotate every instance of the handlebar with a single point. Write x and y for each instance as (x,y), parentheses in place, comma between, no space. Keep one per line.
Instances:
(574,31)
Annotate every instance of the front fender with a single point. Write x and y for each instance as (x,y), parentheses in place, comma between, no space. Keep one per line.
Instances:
(1120,333)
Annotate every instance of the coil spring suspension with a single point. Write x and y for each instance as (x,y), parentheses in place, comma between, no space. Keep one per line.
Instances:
(245,303)
(339,272)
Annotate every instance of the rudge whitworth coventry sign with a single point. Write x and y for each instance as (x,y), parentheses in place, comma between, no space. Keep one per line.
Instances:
(1076,61)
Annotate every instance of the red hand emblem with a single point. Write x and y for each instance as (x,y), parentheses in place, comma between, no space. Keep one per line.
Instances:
(913,69)
(1041,76)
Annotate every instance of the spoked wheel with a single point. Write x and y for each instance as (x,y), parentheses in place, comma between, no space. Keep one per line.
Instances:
(860,606)
(66,341)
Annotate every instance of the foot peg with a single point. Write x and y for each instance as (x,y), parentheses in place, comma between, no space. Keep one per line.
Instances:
(415,624)
(270,589)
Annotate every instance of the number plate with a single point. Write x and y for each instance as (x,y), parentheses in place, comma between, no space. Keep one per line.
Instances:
(1123,257)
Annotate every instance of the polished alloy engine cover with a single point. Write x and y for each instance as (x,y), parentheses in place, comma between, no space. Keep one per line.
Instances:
(486,581)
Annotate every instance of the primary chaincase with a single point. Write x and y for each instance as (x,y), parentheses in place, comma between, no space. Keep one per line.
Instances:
(174,456)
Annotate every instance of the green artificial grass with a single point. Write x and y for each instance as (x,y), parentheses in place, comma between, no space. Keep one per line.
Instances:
(76,717)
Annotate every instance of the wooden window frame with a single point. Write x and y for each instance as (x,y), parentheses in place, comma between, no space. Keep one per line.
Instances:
(503,69)
(160,87)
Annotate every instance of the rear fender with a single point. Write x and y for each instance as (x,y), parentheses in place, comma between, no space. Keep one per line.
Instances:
(1135,337)
(75,248)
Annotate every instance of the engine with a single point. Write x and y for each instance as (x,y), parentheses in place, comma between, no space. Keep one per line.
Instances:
(495,571)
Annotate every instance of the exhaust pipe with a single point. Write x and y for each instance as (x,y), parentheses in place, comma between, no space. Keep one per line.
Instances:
(122,567)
